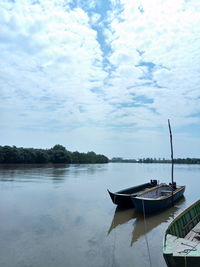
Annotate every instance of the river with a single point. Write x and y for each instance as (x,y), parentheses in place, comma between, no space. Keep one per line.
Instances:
(62,215)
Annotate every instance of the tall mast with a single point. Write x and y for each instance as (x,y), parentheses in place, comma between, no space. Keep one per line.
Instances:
(172,159)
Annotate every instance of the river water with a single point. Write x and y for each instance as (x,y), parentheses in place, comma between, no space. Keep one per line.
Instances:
(62,215)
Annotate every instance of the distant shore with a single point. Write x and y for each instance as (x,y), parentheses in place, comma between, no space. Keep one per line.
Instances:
(154,160)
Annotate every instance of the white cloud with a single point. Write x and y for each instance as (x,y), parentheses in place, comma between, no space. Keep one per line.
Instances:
(57,73)
(52,52)
(165,33)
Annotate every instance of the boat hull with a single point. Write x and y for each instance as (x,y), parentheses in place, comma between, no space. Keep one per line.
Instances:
(179,261)
(123,197)
(121,200)
(152,205)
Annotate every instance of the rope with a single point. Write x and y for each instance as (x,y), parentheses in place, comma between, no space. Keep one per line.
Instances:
(145,228)
(185,261)
(188,245)
(113,252)
(187,250)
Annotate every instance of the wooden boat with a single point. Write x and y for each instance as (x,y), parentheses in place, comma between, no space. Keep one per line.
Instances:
(157,198)
(123,197)
(162,196)
(181,246)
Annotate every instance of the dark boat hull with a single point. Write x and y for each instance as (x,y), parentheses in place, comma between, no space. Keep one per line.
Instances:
(121,200)
(123,197)
(153,205)
(179,261)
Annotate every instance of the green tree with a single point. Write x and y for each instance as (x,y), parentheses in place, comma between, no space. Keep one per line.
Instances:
(76,157)
(59,154)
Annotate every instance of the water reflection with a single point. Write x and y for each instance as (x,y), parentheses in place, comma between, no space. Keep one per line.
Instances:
(39,172)
(153,220)
(59,172)
(30,172)
(121,216)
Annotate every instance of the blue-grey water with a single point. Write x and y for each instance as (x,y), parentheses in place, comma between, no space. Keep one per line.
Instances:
(62,215)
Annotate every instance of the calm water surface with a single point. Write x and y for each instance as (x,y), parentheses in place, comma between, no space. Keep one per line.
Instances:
(62,215)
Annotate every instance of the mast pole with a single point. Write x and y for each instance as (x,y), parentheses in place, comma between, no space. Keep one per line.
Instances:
(172,159)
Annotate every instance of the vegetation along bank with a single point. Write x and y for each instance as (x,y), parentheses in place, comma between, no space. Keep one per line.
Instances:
(56,154)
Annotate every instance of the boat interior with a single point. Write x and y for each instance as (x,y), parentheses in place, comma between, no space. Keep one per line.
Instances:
(189,245)
(160,191)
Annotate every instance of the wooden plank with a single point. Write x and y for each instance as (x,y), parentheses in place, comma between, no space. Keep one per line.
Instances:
(190,222)
(194,234)
(181,246)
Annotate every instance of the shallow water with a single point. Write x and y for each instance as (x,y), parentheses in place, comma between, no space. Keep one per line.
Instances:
(62,215)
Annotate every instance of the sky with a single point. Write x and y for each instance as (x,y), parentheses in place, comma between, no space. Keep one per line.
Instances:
(102,76)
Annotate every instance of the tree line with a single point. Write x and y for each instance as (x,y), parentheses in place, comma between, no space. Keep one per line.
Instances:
(56,154)
(154,160)
(176,161)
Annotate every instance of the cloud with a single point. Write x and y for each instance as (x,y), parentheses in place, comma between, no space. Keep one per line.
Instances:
(51,54)
(111,66)
(165,34)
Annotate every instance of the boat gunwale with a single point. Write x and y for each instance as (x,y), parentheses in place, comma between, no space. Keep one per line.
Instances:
(120,192)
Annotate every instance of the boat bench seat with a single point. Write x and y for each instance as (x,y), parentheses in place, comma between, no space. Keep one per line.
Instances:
(194,234)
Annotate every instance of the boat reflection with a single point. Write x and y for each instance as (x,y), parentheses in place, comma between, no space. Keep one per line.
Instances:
(153,220)
(121,216)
